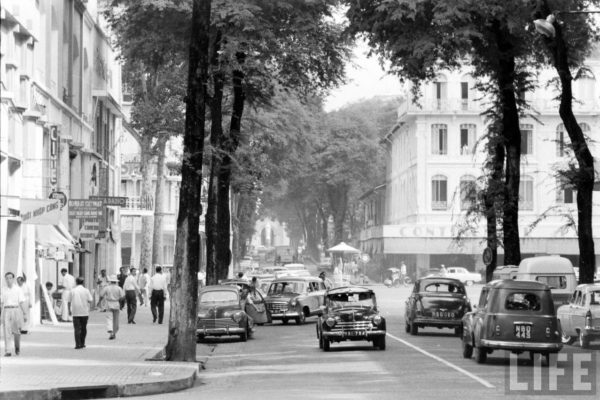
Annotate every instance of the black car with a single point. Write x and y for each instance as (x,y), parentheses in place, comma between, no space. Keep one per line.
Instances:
(438,302)
(350,313)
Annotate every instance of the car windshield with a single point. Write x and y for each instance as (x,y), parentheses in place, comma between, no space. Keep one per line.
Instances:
(439,287)
(286,287)
(347,300)
(554,282)
(523,302)
(225,296)
(595,298)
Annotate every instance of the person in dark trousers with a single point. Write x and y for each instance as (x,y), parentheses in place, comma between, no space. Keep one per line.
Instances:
(80,300)
(158,290)
(132,291)
(121,276)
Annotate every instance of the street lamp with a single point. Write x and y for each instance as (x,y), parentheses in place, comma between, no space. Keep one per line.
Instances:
(545,27)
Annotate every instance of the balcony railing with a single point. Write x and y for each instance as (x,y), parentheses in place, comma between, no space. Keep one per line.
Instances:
(439,205)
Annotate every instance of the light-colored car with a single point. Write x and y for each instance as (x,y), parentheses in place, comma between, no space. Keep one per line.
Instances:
(581,317)
(295,298)
(463,275)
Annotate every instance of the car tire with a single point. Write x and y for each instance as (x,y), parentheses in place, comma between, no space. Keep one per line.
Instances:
(469,283)
(566,339)
(480,355)
(379,342)
(458,331)
(584,341)
(467,349)
(244,336)
(407,327)
(414,329)
(301,319)
(326,344)
(284,321)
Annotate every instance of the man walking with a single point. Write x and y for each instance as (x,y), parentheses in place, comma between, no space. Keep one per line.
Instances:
(80,301)
(66,282)
(102,283)
(14,312)
(132,290)
(143,281)
(114,295)
(158,289)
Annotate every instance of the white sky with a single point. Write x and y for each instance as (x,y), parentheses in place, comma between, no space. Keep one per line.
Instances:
(365,79)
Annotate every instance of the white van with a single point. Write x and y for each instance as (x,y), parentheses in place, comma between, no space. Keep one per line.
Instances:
(555,271)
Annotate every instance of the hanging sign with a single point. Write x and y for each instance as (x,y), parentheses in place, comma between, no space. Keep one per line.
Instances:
(40,212)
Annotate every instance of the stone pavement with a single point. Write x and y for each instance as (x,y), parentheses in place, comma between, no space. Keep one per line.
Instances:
(50,368)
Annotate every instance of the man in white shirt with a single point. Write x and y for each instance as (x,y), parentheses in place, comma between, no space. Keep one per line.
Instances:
(14,311)
(143,281)
(157,289)
(66,282)
(80,300)
(132,290)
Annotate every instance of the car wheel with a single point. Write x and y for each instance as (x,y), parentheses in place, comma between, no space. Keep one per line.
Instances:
(458,331)
(379,342)
(480,355)
(407,327)
(469,283)
(467,349)
(244,336)
(326,344)
(584,341)
(301,318)
(414,329)
(566,339)
(284,321)
(199,338)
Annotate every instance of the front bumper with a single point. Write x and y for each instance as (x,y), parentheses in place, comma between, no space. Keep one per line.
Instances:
(353,334)
(520,346)
(593,332)
(285,314)
(220,331)
(440,323)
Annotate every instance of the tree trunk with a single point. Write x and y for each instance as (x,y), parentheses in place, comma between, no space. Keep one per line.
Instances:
(324,227)
(584,179)
(216,132)
(157,240)
(146,200)
(338,202)
(184,280)
(493,199)
(512,138)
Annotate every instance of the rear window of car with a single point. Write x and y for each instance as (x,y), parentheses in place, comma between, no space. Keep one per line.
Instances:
(523,301)
(218,297)
(595,298)
(286,287)
(439,287)
(555,282)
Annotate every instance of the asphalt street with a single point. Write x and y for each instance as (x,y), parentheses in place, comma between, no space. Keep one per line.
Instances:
(285,362)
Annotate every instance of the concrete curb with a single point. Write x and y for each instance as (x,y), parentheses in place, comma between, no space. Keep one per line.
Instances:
(107,391)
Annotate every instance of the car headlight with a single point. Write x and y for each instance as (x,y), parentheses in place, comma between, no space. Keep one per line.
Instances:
(377,319)
(237,317)
(293,303)
(330,322)
(202,315)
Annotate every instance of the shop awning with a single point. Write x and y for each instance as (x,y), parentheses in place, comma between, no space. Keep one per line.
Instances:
(54,236)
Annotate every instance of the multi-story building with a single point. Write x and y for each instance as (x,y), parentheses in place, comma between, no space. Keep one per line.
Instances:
(434,159)
(60,134)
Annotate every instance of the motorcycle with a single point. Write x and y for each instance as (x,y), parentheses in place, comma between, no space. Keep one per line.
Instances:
(405,281)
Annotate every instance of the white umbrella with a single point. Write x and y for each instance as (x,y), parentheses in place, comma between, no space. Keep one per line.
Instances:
(343,248)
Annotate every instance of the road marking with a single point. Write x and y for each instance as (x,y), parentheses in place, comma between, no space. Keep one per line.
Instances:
(449,364)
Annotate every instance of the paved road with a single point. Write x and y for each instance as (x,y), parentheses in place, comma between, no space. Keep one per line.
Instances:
(284,362)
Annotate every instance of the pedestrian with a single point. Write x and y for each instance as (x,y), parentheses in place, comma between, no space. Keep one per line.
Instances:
(121,276)
(22,282)
(143,281)
(102,282)
(114,296)
(132,291)
(12,303)
(158,289)
(66,283)
(80,300)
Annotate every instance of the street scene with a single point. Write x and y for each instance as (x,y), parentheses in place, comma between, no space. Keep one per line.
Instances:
(292,199)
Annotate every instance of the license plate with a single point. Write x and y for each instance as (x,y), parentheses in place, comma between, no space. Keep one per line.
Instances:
(523,331)
(354,333)
(443,314)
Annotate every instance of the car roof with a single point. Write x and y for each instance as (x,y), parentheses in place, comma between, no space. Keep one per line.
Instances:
(588,286)
(294,265)
(349,289)
(516,284)
(288,278)
(216,288)
(540,264)
(440,279)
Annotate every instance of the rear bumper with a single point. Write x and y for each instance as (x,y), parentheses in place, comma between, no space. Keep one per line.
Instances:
(592,332)
(516,346)
(365,334)
(441,323)
(220,331)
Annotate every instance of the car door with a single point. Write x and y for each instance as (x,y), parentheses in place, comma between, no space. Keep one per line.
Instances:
(478,315)
(320,294)
(409,311)
(566,323)
(313,297)
(578,312)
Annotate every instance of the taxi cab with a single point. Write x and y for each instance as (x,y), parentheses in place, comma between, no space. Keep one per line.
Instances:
(295,297)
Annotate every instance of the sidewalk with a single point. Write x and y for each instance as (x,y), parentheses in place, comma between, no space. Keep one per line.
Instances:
(50,368)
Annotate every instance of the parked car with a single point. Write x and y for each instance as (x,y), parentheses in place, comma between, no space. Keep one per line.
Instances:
(581,317)
(505,272)
(350,313)
(220,313)
(295,298)
(258,311)
(436,301)
(463,275)
(512,315)
(556,272)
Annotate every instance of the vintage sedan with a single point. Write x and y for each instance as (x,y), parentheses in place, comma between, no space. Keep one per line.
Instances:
(463,275)
(350,313)
(581,317)
(437,302)
(220,313)
(512,315)
(295,298)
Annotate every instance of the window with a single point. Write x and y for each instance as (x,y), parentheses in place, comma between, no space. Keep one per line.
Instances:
(468,192)
(565,193)
(555,282)
(440,91)
(526,139)
(523,301)
(584,89)
(562,141)
(526,193)
(439,193)
(467,139)
(483,298)
(464,91)
(439,139)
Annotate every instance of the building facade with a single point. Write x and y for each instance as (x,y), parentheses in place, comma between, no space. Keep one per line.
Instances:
(60,141)
(435,157)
